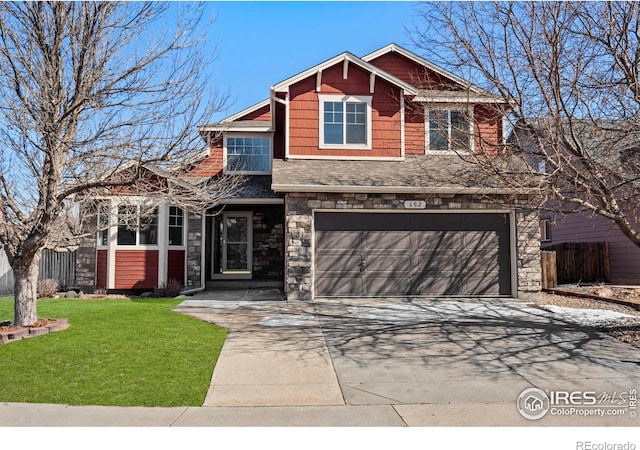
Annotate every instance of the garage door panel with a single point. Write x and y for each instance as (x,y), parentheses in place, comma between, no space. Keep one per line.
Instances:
(344,285)
(435,285)
(339,240)
(339,263)
(439,240)
(388,263)
(387,240)
(391,285)
(435,262)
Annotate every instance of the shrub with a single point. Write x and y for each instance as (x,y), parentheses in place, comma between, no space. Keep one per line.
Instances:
(47,288)
(171,289)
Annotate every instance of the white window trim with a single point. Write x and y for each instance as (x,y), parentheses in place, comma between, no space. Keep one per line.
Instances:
(367,99)
(248,172)
(448,107)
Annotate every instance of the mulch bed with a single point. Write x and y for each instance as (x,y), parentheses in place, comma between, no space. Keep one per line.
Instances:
(40,327)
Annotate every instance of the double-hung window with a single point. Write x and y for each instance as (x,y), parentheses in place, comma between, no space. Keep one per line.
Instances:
(135,228)
(176,226)
(248,154)
(448,130)
(345,122)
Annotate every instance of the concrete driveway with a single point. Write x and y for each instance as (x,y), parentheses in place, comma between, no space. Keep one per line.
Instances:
(425,361)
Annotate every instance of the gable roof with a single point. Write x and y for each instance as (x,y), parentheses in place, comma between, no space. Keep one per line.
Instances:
(350,58)
(391,48)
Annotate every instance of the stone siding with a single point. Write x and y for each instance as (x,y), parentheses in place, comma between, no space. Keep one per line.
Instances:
(194,251)
(268,242)
(299,232)
(86,260)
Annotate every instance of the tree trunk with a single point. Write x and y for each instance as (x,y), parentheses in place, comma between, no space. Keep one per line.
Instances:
(25,273)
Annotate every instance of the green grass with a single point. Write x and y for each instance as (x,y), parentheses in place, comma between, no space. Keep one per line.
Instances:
(116,352)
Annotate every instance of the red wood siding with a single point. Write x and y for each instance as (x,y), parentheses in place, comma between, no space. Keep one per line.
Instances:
(175,265)
(304,109)
(411,72)
(414,129)
(101,269)
(212,164)
(488,123)
(263,113)
(136,269)
(624,257)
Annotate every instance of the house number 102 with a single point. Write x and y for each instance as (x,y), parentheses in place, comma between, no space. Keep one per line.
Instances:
(415,204)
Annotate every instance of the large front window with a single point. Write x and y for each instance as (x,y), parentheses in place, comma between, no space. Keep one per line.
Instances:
(137,226)
(345,122)
(448,130)
(248,154)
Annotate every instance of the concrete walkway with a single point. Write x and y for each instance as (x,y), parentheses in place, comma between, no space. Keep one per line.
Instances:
(383,362)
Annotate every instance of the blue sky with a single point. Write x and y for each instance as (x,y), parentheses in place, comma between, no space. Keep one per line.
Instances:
(262,43)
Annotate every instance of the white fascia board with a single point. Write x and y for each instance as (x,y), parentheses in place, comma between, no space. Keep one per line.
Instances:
(392,189)
(458,99)
(418,59)
(284,85)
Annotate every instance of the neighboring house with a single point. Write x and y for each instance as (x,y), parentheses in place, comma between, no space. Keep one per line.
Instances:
(614,151)
(353,188)
(624,256)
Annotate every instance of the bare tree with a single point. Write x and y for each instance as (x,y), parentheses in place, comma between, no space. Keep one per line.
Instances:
(570,72)
(92,96)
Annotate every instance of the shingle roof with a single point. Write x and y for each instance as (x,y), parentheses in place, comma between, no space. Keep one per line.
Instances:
(425,173)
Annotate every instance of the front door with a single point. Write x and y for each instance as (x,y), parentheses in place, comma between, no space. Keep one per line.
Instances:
(232,248)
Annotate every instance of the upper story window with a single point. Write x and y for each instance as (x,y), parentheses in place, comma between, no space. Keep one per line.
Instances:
(176,226)
(135,228)
(248,154)
(345,121)
(448,130)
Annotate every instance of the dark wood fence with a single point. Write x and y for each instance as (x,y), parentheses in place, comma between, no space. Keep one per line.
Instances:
(581,262)
(60,266)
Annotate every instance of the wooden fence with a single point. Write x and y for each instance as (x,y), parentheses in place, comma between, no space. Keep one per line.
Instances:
(549,270)
(579,262)
(59,266)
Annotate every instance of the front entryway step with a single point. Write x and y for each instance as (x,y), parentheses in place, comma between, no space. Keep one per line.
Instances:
(244,284)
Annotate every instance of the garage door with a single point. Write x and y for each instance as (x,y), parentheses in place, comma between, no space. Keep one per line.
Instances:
(385,254)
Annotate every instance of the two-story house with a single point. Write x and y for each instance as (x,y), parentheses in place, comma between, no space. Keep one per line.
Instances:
(354,187)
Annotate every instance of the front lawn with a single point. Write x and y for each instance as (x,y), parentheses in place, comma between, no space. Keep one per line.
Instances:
(116,352)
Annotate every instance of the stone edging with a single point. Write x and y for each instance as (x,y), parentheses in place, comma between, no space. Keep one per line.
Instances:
(26,332)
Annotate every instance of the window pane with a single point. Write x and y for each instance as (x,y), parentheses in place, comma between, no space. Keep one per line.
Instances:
(333,133)
(356,123)
(249,154)
(127,225)
(459,130)
(356,134)
(438,130)
(175,235)
(149,229)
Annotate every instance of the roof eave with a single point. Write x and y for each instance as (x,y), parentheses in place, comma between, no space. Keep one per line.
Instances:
(276,187)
